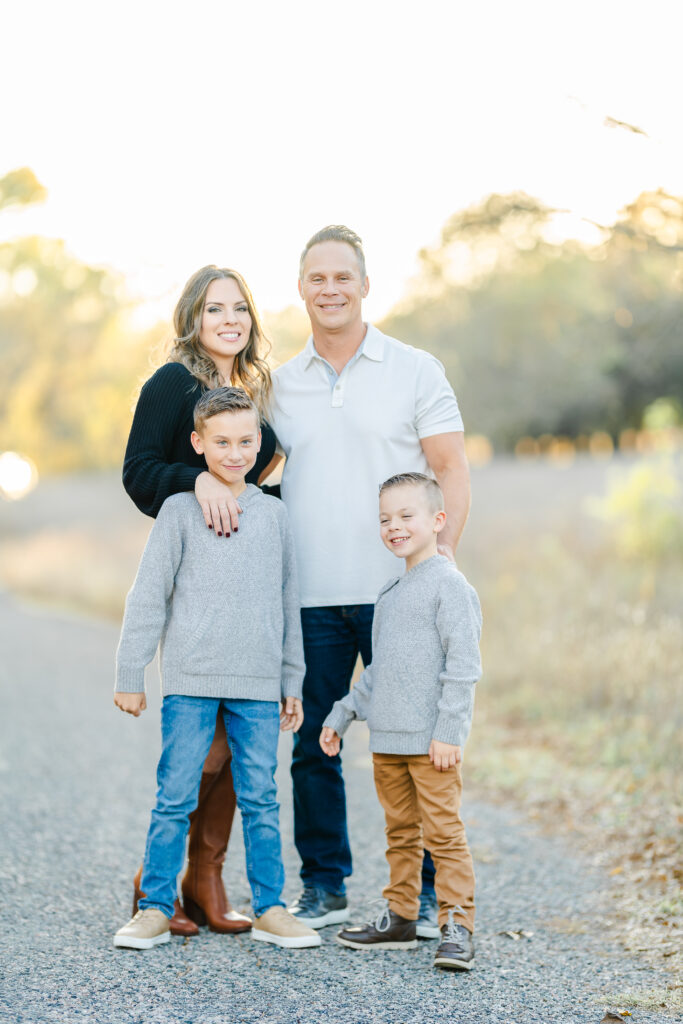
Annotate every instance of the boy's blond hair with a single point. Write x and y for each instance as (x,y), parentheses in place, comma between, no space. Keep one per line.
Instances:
(431,489)
(221,400)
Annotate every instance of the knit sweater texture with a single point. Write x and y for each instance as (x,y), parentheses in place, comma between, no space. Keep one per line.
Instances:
(425,663)
(160,459)
(224,612)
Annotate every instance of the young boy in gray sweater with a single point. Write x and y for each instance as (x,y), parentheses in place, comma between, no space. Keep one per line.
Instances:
(226,617)
(417,697)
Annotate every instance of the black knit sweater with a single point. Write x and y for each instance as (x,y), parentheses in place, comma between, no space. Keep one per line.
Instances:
(160,459)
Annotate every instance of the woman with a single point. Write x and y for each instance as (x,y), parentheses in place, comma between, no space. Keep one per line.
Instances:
(218,340)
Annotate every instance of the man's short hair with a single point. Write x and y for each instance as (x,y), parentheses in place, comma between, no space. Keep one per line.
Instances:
(221,400)
(432,490)
(336,233)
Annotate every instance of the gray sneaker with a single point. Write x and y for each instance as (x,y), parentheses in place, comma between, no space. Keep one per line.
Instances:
(317,908)
(428,919)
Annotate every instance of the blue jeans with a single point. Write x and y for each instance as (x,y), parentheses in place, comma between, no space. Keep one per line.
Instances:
(188,725)
(333,638)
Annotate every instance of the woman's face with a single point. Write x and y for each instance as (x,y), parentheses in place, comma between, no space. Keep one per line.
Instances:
(226,323)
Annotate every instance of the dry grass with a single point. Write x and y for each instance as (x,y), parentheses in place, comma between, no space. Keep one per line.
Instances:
(72,567)
(579,719)
(669,999)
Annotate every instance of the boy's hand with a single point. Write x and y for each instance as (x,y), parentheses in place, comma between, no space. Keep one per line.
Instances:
(292,714)
(132,703)
(444,755)
(330,742)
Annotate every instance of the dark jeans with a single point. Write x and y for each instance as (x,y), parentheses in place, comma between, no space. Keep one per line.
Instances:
(333,638)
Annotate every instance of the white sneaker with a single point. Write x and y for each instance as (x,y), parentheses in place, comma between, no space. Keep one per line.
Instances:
(281,928)
(148,928)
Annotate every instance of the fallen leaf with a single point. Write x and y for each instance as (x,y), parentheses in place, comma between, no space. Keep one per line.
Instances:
(617,871)
(520,934)
(609,1016)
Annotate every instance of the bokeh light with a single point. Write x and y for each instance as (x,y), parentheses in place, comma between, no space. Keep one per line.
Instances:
(18,476)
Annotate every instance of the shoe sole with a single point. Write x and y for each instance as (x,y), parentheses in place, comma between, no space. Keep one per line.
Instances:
(332,917)
(126,942)
(455,965)
(409,944)
(286,941)
(427,931)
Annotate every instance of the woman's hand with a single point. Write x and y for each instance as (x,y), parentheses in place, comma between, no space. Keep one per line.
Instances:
(219,506)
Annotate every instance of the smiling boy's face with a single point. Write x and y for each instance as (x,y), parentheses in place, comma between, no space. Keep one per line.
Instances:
(407,524)
(230,442)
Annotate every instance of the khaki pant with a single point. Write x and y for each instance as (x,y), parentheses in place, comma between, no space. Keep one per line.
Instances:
(422,809)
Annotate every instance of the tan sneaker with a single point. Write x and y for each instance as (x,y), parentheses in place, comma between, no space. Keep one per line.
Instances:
(148,928)
(280,927)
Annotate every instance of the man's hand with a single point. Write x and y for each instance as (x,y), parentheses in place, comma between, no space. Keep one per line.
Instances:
(330,742)
(444,755)
(131,703)
(219,505)
(447,550)
(292,714)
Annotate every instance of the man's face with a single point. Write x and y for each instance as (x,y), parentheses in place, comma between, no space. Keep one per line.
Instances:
(332,288)
(229,441)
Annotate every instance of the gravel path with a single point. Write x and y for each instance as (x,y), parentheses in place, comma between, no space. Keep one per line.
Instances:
(76,785)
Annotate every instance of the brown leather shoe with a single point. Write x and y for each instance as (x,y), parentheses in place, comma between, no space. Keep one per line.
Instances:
(388,931)
(180,924)
(204,896)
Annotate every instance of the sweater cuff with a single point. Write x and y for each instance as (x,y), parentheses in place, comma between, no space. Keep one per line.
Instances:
(292,686)
(449,729)
(130,680)
(338,719)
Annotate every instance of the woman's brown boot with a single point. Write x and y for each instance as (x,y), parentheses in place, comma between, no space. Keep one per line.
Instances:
(204,896)
(180,924)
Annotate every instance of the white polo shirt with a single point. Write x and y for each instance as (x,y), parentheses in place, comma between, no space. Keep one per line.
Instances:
(343,436)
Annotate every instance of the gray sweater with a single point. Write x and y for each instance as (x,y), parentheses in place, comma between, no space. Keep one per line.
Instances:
(225,611)
(425,662)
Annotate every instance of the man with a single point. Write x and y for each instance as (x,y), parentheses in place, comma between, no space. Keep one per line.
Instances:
(352,409)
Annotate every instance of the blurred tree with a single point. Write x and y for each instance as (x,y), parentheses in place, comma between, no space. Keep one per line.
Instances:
(288,331)
(69,367)
(540,336)
(19,188)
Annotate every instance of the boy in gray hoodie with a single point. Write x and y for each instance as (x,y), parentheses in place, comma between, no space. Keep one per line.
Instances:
(417,697)
(226,617)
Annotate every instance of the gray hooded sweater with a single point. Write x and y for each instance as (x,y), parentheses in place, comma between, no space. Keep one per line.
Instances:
(224,611)
(425,662)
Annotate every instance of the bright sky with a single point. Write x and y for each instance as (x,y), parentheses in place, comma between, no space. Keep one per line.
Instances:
(171,135)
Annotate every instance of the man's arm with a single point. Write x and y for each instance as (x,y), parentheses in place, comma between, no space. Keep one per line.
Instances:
(445,454)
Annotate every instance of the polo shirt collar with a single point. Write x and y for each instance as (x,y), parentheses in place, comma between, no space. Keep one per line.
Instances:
(372,347)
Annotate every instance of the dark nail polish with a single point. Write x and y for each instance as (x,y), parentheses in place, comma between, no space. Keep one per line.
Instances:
(211,526)
(219,533)
(236,529)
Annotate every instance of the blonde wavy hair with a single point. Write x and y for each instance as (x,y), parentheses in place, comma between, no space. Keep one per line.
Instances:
(250,370)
